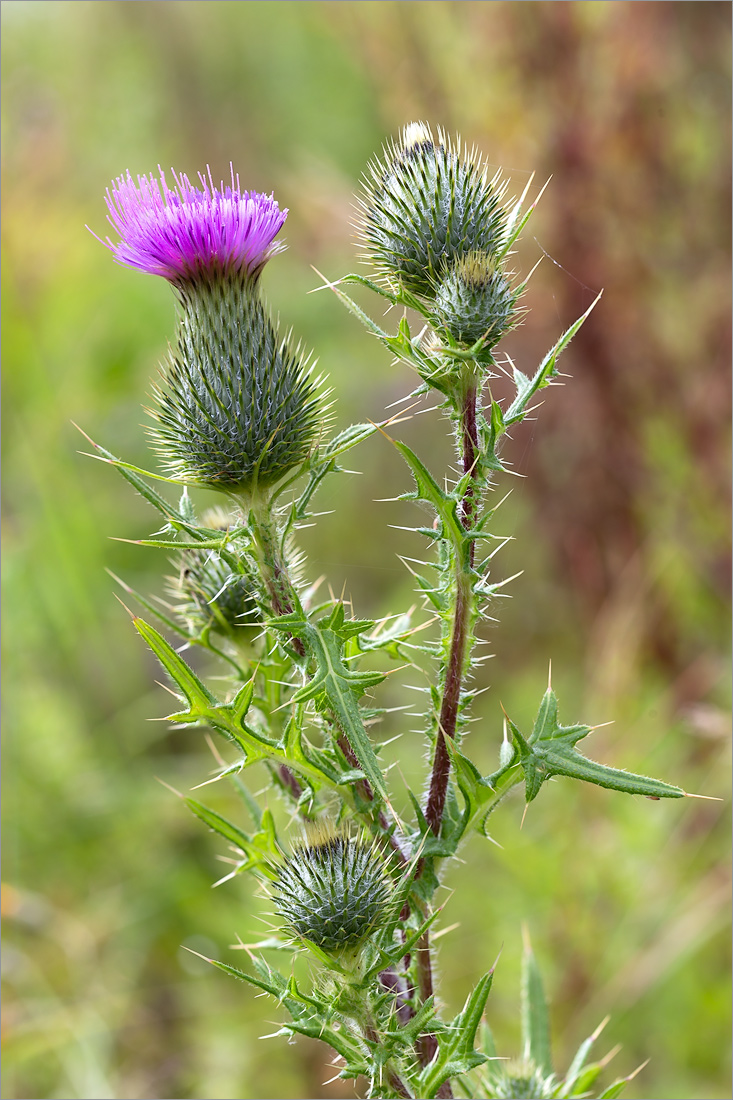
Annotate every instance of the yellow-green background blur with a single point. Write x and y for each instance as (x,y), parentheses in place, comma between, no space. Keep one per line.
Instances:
(621,518)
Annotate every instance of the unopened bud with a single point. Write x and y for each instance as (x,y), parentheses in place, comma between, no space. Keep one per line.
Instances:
(334,891)
(425,205)
(209,593)
(522,1081)
(475,301)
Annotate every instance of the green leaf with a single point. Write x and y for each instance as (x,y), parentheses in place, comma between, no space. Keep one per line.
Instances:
(197,695)
(535,1018)
(228,718)
(515,224)
(576,766)
(357,311)
(613,1090)
(241,976)
(322,463)
(579,1085)
(261,849)
(550,750)
(481,794)
(219,824)
(334,687)
(132,475)
(445,504)
(407,1034)
(310,1016)
(544,374)
(172,625)
(391,956)
(170,544)
(574,1078)
(456,1052)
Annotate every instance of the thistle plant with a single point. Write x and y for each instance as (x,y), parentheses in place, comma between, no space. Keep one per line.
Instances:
(238,410)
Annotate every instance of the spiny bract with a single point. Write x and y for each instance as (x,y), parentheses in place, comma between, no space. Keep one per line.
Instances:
(237,408)
(425,206)
(333,892)
(521,1081)
(209,593)
(475,300)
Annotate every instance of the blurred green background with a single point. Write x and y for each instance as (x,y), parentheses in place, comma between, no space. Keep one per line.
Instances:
(621,518)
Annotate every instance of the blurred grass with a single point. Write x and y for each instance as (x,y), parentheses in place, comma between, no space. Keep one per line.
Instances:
(621,523)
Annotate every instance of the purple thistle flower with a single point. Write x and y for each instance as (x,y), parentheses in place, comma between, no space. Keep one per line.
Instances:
(187,233)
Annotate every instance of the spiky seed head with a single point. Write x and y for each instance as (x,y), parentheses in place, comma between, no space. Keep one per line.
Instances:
(425,204)
(333,891)
(475,300)
(209,593)
(237,407)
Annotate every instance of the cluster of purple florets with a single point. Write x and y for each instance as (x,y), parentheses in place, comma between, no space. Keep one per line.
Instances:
(189,232)
(235,408)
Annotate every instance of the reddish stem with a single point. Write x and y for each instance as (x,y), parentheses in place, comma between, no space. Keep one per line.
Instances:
(448,717)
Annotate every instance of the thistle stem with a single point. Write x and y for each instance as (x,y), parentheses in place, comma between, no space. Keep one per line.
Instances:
(455,670)
(355,1005)
(454,675)
(273,569)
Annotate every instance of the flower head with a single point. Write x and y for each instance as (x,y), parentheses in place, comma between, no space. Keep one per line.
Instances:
(475,300)
(333,890)
(209,594)
(187,233)
(237,407)
(426,204)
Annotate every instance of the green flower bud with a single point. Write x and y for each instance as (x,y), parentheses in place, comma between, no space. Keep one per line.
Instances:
(237,408)
(426,205)
(475,300)
(208,592)
(334,891)
(522,1081)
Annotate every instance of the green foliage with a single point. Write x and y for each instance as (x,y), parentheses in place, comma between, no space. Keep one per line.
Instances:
(98,990)
(535,1018)
(334,687)
(531,1077)
(296,703)
(550,750)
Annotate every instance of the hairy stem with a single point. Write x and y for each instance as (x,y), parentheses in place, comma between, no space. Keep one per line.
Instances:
(395,1081)
(454,675)
(456,666)
(274,570)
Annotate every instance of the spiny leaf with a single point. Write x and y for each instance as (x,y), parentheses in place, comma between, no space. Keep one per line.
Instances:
(546,371)
(228,718)
(260,849)
(575,1073)
(197,695)
(456,1052)
(550,750)
(614,1090)
(336,688)
(535,1018)
(445,504)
